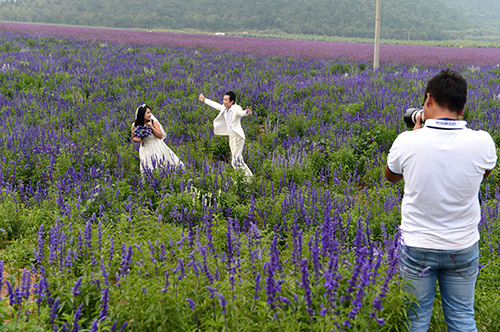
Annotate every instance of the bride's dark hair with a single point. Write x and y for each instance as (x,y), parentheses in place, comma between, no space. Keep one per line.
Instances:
(139,115)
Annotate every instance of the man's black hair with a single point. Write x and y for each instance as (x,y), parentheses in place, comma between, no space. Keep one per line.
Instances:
(232,96)
(449,90)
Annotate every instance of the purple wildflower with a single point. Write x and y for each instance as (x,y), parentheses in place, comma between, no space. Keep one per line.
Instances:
(191,303)
(104,304)
(165,286)
(257,286)
(179,268)
(53,312)
(111,251)
(94,328)
(1,276)
(41,242)
(76,289)
(222,301)
(87,234)
(422,274)
(78,312)
(284,300)
(212,291)
(305,286)
(26,283)
(126,258)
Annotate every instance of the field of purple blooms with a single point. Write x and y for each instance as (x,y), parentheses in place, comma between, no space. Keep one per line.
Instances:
(354,52)
(310,244)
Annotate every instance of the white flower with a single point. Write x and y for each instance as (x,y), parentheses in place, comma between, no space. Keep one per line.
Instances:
(6,67)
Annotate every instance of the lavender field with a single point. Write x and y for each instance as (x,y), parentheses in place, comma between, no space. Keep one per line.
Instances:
(354,52)
(310,244)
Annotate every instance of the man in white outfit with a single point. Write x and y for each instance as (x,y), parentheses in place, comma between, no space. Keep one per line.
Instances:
(227,123)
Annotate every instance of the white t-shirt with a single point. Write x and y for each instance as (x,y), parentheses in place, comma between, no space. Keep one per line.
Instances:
(227,116)
(443,165)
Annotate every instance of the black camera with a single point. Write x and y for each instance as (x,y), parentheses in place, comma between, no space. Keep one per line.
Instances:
(411,116)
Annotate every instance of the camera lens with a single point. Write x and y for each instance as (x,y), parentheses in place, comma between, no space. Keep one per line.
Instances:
(411,116)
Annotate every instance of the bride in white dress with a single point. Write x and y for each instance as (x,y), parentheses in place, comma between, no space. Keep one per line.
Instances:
(153,151)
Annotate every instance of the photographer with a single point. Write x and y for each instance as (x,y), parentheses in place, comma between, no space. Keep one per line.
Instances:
(442,163)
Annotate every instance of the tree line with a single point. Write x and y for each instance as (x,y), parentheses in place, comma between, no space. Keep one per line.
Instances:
(401,19)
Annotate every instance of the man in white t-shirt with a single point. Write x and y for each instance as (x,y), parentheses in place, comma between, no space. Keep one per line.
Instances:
(442,163)
(227,123)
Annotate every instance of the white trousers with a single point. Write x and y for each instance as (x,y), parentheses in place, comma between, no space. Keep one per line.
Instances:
(236,143)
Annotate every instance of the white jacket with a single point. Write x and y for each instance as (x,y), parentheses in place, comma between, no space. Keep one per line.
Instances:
(220,126)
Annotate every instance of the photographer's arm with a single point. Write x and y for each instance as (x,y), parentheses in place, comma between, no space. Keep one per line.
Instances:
(392,177)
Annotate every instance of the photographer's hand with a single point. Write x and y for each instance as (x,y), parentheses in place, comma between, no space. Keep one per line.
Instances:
(418,124)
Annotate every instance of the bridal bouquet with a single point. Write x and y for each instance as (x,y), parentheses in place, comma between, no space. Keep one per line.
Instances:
(142,131)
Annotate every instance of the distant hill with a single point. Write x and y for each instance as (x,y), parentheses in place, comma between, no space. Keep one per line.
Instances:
(483,17)
(401,19)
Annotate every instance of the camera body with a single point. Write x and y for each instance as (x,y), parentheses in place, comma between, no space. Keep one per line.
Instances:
(411,116)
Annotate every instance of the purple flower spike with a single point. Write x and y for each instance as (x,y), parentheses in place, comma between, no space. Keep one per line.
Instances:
(1,275)
(104,304)
(78,312)
(76,289)
(305,286)
(222,301)
(257,286)
(41,242)
(53,312)
(94,328)
(191,303)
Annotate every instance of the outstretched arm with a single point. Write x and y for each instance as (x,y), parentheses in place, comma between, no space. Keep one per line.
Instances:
(201,97)
(243,112)
(210,103)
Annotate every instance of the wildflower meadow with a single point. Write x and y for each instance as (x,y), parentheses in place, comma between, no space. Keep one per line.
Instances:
(311,243)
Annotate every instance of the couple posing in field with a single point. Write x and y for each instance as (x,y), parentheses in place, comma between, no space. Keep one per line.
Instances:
(150,133)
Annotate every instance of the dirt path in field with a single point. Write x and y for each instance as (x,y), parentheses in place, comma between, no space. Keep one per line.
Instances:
(4,293)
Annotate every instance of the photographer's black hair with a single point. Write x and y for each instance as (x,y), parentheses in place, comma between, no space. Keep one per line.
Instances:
(232,96)
(139,118)
(449,90)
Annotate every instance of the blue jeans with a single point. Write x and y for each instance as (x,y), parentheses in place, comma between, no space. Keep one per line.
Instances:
(456,271)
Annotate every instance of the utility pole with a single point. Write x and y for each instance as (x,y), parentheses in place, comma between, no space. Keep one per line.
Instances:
(377,38)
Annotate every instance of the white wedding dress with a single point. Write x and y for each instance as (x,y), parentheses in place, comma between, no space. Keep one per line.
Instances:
(154,152)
